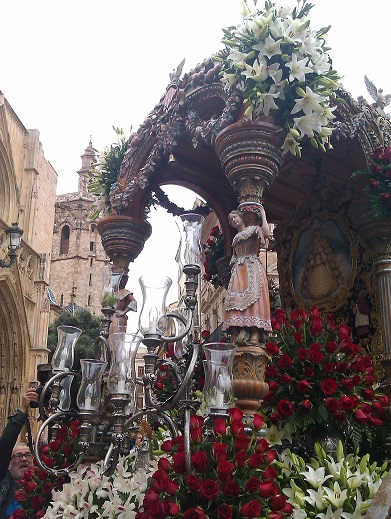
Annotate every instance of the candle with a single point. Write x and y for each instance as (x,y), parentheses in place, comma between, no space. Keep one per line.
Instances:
(121,386)
(219,399)
(152,327)
(88,404)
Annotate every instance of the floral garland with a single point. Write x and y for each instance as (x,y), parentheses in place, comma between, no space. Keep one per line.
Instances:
(214,250)
(330,486)
(318,375)
(379,185)
(234,475)
(282,67)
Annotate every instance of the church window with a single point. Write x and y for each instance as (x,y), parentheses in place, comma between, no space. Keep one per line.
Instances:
(89,301)
(64,244)
(90,282)
(93,227)
(92,246)
(91,261)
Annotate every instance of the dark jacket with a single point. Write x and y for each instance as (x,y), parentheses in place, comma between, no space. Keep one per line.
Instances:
(7,443)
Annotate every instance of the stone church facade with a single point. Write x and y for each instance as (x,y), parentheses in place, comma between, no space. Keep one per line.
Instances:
(27,196)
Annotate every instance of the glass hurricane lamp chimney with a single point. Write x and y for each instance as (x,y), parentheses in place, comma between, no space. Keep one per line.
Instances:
(191,250)
(153,319)
(89,394)
(62,359)
(122,373)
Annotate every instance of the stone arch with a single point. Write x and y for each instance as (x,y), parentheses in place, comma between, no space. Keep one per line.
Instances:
(14,344)
(8,188)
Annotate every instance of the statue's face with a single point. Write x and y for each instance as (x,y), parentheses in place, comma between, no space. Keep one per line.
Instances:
(236,220)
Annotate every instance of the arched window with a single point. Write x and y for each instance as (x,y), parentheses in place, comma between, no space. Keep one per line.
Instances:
(64,244)
(93,227)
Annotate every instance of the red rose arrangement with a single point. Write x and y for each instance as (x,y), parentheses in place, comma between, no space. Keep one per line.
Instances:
(37,485)
(319,375)
(379,185)
(234,475)
(214,250)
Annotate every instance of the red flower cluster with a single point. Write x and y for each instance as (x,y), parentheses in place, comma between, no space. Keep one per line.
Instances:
(214,249)
(37,485)
(318,374)
(233,475)
(379,185)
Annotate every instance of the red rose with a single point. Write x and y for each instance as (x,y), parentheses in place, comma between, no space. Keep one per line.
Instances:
(251,509)
(369,379)
(167,446)
(328,386)
(205,334)
(149,497)
(331,347)
(275,418)
(158,386)
(270,474)
(273,386)
(270,456)
(285,361)
(303,386)
(331,404)
(178,463)
(302,354)
(224,512)
(236,428)
(285,379)
(209,489)
(37,502)
(170,508)
(342,367)
(225,470)
(199,461)
(276,326)
(164,464)
(47,488)
(196,435)
(383,399)
(68,450)
(240,458)
(268,489)
(277,502)
(262,445)
(346,403)
(316,325)
(252,485)
(272,372)
(360,416)
(258,420)
(340,416)
(231,489)
(39,514)
(298,337)
(344,331)
(236,414)
(55,445)
(316,356)
(29,486)
(220,451)
(255,460)
(328,367)
(193,482)
(19,514)
(242,442)
(219,426)
(285,408)
(305,405)
(308,372)
(194,513)
(272,348)
(20,495)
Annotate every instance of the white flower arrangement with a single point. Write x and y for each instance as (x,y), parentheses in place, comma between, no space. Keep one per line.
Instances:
(331,486)
(283,69)
(92,495)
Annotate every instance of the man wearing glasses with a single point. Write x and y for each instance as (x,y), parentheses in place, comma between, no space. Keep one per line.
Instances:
(14,459)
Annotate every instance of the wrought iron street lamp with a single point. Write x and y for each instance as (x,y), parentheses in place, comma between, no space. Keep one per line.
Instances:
(14,234)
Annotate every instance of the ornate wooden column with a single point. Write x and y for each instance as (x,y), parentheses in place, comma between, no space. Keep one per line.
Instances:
(250,154)
(123,238)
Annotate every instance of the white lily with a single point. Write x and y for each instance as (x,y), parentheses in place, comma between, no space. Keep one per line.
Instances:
(361,507)
(335,468)
(268,48)
(298,68)
(237,57)
(310,102)
(331,514)
(307,124)
(316,498)
(229,79)
(317,477)
(336,496)
(355,479)
(291,145)
(255,72)
(274,71)
(267,102)
(321,63)
(274,435)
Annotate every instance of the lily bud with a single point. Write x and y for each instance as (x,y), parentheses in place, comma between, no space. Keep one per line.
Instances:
(314,142)
(339,452)
(300,92)
(344,475)
(264,32)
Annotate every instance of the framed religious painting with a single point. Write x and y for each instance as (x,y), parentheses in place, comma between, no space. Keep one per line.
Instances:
(323,262)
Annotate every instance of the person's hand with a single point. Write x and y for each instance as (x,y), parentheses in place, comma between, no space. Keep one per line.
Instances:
(30,396)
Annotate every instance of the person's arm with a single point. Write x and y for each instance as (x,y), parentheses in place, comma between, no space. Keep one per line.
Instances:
(13,428)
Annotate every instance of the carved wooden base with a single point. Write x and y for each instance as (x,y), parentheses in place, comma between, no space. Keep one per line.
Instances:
(249,386)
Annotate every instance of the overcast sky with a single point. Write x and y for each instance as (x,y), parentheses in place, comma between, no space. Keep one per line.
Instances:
(73,69)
